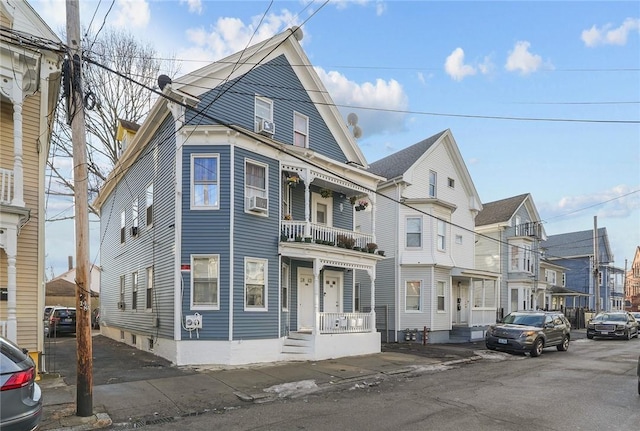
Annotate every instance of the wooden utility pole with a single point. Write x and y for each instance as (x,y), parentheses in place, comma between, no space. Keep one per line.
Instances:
(596,264)
(84,388)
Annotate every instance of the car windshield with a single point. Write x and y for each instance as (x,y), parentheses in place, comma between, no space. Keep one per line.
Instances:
(524,319)
(611,317)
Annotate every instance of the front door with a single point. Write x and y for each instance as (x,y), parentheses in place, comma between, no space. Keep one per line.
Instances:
(461,304)
(305,299)
(331,294)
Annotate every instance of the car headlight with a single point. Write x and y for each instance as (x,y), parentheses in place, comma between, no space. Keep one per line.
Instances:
(528,333)
(620,327)
(591,326)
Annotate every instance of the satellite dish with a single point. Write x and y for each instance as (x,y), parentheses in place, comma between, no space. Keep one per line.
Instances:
(357,132)
(163,80)
(352,119)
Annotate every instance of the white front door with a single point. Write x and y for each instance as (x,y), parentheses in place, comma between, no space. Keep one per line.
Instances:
(331,289)
(305,299)
(461,304)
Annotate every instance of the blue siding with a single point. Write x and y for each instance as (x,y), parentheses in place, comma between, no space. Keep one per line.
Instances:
(233,103)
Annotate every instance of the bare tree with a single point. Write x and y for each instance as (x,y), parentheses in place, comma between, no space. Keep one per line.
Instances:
(108,98)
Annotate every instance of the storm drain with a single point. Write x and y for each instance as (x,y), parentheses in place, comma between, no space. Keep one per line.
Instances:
(155,421)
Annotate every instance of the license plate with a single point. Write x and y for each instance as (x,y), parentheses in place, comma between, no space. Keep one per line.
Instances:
(66,320)
(604,332)
(502,341)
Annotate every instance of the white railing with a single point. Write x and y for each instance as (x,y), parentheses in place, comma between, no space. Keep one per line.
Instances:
(6,186)
(298,230)
(482,317)
(3,328)
(345,323)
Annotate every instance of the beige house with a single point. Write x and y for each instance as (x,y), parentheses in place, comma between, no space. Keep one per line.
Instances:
(29,90)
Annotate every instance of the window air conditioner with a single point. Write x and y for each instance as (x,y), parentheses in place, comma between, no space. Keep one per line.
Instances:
(134,231)
(259,204)
(121,306)
(266,127)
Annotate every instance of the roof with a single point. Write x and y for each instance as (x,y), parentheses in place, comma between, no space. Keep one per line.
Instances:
(500,211)
(129,125)
(398,163)
(563,291)
(573,244)
(62,287)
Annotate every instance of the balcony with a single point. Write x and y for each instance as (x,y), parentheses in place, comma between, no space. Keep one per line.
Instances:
(301,231)
(6,186)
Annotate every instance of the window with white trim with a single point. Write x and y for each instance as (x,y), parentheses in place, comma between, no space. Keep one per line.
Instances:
(255,179)
(205,286)
(263,110)
(284,283)
(205,189)
(123,227)
(149,295)
(134,291)
(134,218)
(300,130)
(433,183)
(440,295)
(484,293)
(122,285)
(550,276)
(255,284)
(356,297)
(414,232)
(442,235)
(451,182)
(413,295)
(149,202)
(458,239)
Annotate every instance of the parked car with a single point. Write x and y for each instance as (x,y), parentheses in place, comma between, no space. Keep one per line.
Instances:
(20,395)
(95,318)
(613,324)
(530,331)
(60,320)
(636,315)
(638,373)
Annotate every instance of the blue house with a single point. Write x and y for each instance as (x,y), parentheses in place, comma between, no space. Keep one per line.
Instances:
(227,225)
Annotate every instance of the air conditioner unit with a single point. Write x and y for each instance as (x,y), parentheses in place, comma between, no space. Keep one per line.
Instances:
(266,127)
(134,231)
(121,305)
(259,204)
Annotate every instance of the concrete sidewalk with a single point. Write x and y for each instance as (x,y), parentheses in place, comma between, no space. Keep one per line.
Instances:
(145,402)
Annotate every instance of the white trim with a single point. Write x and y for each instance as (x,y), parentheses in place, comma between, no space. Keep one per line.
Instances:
(317,198)
(232,222)
(265,262)
(255,113)
(146,205)
(306,135)
(287,269)
(192,306)
(406,232)
(177,238)
(192,205)
(247,161)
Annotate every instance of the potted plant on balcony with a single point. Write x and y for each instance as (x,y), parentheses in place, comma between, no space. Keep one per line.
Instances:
(381,252)
(326,193)
(362,205)
(293,181)
(371,247)
(287,216)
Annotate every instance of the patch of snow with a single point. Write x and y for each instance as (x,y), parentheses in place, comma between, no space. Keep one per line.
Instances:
(497,356)
(292,389)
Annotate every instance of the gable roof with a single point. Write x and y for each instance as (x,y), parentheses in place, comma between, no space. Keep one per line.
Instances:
(396,164)
(578,244)
(500,211)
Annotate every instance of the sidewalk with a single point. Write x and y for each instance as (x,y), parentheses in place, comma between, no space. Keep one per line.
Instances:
(161,400)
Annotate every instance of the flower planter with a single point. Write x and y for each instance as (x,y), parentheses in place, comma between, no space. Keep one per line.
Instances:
(381,252)
(307,239)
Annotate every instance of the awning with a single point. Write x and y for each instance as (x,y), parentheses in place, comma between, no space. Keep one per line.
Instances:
(563,291)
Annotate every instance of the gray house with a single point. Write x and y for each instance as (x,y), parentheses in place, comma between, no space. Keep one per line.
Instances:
(426,219)
(227,224)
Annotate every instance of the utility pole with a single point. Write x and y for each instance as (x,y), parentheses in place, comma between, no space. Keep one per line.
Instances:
(596,264)
(84,356)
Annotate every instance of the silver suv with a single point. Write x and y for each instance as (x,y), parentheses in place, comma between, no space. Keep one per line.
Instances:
(530,331)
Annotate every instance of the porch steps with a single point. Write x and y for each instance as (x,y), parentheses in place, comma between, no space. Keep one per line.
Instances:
(298,343)
(464,334)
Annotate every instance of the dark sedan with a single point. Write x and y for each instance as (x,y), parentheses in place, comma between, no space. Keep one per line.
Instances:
(20,395)
(60,320)
(613,324)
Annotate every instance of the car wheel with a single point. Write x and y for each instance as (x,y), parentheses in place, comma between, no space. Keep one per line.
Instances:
(491,347)
(537,348)
(564,346)
(589,336)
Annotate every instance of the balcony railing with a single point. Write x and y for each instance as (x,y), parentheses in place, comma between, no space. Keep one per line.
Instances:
(6,186)
(345,323)
(292,230)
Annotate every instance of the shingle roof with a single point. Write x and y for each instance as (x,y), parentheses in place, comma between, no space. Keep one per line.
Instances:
(398,163)
(129,125)
(576,244)
(499,211)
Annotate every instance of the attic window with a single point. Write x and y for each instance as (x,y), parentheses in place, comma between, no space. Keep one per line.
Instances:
(452,183)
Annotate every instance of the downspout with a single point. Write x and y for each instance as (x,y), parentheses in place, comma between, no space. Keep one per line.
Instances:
(397,265)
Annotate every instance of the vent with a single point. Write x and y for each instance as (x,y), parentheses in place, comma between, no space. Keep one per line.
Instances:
(258,204)
(266,127)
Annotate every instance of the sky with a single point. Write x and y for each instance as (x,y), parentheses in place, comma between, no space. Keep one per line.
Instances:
(541,97)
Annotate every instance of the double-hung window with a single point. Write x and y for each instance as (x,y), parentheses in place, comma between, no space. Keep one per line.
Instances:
(134,218)
(442,235)
(284,283)
(255,284)
(149,296)
(433,183)
(205,287)
(255,179)
(123,226)
(122,285)
(134,291)
(205,181)
(440,294)
(264,111)
(413,296)
(149,211)
(414,232)
(300,130)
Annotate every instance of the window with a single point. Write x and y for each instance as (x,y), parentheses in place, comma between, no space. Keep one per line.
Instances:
(518,228)
(300,130)
(122,284)
(413,295)
(205,290)
(414,232)
(451,182)
(564,279)
(600,279)
(484,293)
(134,217)
(204,182)
(356,297)
(442,235)
(433,177)
(321,213)
(284,283)
(149,287)
(134,291)
(440,295)
(458,239)
(149,212)
(550,276)
(255,283)
(264,110)
(123,225)
(255,180)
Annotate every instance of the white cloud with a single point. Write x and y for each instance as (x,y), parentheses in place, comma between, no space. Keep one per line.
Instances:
(387,95)
(455,67)
(617,202)
(195,6)
(487,66)
(132,13)
(521,60)
(606,35)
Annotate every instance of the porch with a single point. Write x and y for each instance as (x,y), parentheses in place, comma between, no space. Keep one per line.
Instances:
(306,231)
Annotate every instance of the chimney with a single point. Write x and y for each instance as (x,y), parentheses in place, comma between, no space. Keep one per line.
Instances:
(70,263)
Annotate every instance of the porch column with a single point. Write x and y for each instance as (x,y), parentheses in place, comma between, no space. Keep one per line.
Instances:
(372,276)
(372,198)
(18,176)
(307,203)
(12,252)
(316,296)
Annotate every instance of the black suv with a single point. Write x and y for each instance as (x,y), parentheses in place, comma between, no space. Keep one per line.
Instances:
(530,331)
(60,320)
